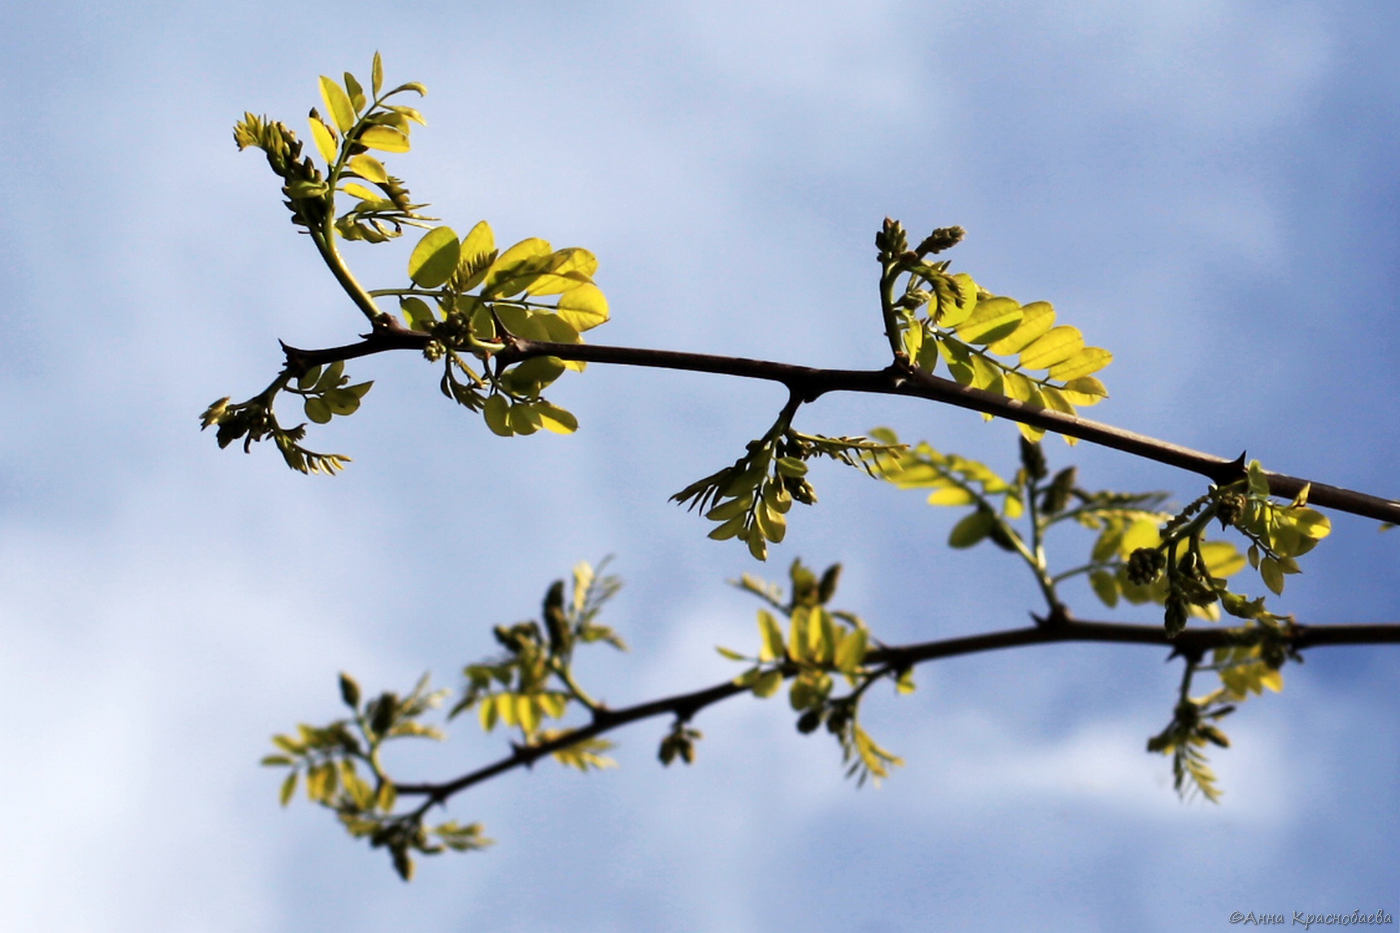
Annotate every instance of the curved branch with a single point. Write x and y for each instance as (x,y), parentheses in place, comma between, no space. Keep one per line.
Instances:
(686,705)
(809,383)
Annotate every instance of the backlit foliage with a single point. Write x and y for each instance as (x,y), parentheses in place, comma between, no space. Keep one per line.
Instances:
(504,324)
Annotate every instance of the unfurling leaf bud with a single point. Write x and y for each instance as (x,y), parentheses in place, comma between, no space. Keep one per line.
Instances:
(827,588)
(349,690)
(940,239)
(555,621)
(385,709)
(1057,496)
(1175,616)
(1033,459)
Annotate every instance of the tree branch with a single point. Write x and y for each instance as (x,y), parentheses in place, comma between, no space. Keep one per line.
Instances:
(686,705)
(809,383)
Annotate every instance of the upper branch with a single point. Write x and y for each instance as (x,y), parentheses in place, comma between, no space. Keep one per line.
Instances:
(809,383)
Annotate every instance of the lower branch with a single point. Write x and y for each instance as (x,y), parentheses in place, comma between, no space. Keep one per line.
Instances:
(684,706)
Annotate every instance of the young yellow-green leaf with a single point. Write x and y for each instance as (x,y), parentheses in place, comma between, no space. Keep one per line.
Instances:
(342,401)
(1222,558)
(524,419)
(972,528)
(729,529)
(994,319)
(768,683)
(324,138)
(384,138)
(986,375)
(488,714)
(772,637)
(1310,523)
(959,360)
(771,523)
(568,268)
(527,712)
(558,329)
(369,168)
(495,412)
(408,113)
(730,653)
(951,495)
(1036,318)
(376,75)
(289,787)
(534,374)
(1086,390)
(583,307)
(797,641)
(905,684)
(337,104)
(517,267)
(912,340)
(1054,346)
(360,191)
(850,653)
(435,257)
(317,409)
(478,253)
(357,93)
(957,299)
(417,313)
(1144,532)
(1086,361)
(1105,586)
(1272,572)
(556,419)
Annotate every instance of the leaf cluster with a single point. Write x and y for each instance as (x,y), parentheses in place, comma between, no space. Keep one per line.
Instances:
(819,646)
(342,770)
(750,499)
(986,341)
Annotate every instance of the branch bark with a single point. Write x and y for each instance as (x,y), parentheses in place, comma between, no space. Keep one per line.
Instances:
(810,383)
(686,705)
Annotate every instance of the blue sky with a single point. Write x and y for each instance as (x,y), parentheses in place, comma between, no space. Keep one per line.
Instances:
(1205,188)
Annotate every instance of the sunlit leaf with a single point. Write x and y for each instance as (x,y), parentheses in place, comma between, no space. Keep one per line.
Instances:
(555,419)
(1054,346)
(994,319)
(1036,318)
(951,495)
(583,307)
(337,104)
(517,267)
(972,528)
(384,138)
(1086,361)
(369,168)
(324,139)
(434,259)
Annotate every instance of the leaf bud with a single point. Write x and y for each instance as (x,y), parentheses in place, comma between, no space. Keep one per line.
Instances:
(1144,564)
(941,239)
(349,690)
(1057,496)
(1033,459)
(827,588)
(809,721)
(1229,508)
(386,708)
(1174,618)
